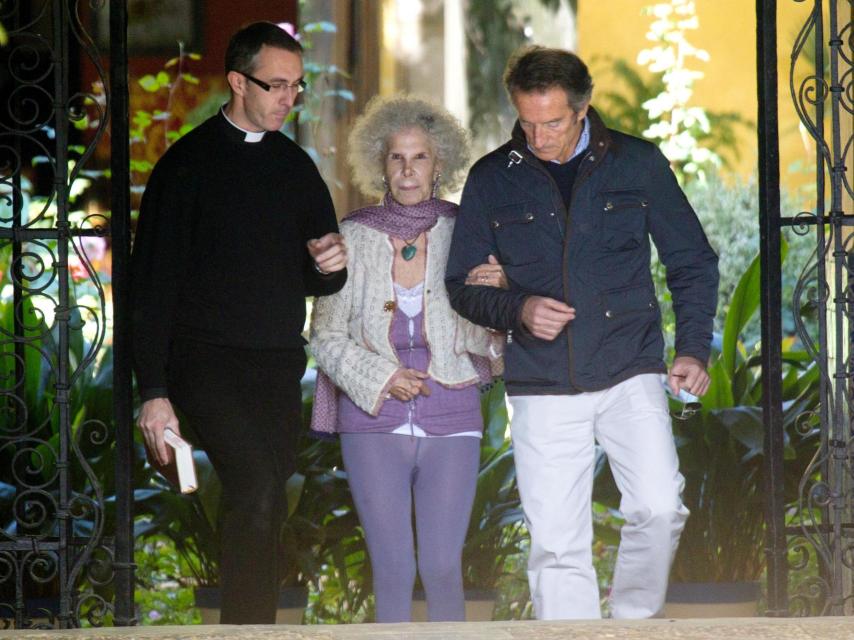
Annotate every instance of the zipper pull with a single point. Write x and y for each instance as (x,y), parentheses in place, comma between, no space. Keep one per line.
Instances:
(509,336)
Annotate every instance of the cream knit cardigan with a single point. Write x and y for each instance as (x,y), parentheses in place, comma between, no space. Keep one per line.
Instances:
(350,330)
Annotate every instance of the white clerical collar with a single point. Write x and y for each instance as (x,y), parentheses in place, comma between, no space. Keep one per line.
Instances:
(251,136)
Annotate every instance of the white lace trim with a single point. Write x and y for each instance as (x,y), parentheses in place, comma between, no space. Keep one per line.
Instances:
(411,300)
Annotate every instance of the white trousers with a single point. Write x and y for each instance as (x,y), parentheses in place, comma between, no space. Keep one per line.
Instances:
(553,440)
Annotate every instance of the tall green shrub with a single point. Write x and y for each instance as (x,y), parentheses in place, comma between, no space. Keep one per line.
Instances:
(729,213)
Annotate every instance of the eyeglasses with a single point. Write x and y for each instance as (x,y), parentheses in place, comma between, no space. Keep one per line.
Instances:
(298,86)
(689,410)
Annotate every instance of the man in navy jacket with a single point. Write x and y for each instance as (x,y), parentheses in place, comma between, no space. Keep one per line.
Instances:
(567,207)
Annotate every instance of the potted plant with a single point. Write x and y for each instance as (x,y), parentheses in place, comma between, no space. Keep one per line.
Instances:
(720,444)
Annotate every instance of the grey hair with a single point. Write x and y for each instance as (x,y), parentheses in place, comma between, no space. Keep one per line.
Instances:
(385,116)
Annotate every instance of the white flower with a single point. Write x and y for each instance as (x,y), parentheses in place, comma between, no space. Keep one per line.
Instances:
(682,7)
(662,10)
(673,120)
(658,130)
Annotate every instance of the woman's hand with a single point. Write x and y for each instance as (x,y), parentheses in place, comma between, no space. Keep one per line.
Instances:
(408,383)
(490,274)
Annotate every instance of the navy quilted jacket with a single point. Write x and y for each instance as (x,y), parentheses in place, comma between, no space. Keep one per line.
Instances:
(594,256)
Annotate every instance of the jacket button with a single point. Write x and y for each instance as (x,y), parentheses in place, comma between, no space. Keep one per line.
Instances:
(529,216)
(601,144)
(591,158)
(609,205)
(644,203)
(552,214)
(609,314)
(495,224)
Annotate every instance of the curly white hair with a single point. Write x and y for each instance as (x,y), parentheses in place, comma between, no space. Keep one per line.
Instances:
(385,116)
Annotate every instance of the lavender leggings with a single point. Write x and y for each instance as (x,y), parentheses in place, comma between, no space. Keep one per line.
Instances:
(387,473)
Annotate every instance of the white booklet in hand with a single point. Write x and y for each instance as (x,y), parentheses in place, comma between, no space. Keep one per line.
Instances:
(187,482)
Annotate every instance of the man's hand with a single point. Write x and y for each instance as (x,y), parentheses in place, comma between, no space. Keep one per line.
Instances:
(408,383)
(545,317)
(690,374)
(155,415)
(328,252)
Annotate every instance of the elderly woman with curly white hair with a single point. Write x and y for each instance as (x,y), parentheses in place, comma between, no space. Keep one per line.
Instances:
(399,369)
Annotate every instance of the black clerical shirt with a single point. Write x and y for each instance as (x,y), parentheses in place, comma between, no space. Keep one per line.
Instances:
(220,250)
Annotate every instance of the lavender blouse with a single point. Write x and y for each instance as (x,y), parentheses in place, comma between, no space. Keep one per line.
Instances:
(445,412)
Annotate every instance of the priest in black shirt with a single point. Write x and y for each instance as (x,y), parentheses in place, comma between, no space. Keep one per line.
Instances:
(236,228)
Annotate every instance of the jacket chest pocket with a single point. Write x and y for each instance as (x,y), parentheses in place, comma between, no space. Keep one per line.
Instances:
(520,232)
(623,215)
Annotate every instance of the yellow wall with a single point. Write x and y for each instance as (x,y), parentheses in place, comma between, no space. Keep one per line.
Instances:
(616,28)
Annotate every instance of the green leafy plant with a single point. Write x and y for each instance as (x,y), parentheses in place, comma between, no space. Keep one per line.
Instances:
(327,95)
(721,451)
(496,529)
(155,128)
(728,211)
(189,522)
(337,568)
(159,597)
(621,98)
(494,30)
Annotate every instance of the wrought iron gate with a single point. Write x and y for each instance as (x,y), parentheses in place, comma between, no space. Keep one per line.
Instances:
(815,540)
(62,535)
(65,455)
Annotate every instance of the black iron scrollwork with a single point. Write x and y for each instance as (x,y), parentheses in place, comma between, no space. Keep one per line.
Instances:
(820,551)
(53,325)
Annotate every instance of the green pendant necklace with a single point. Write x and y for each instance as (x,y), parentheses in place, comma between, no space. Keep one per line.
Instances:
(409,250)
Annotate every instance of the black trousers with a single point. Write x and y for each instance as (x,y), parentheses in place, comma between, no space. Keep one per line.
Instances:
(245,408)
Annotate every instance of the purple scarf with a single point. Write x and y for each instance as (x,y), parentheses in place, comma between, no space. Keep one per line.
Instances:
(403,221)
(400,221)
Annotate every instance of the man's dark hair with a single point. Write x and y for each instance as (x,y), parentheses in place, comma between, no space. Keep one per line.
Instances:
(246,43)
(538,69)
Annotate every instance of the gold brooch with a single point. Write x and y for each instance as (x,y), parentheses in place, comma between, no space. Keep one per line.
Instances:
(390,306)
